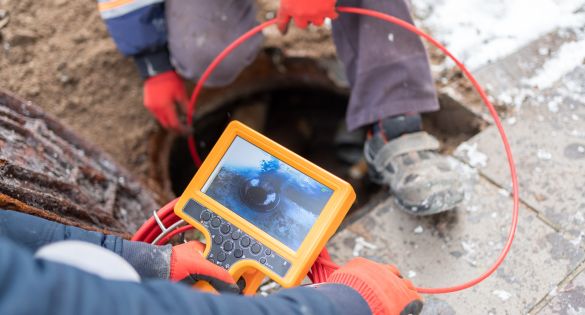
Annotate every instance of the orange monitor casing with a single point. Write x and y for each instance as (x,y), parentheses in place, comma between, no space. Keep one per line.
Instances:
(246,242)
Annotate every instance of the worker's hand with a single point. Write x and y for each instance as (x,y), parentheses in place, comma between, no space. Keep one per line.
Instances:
(189,266)
(381,286)
(304,12)
(162,93)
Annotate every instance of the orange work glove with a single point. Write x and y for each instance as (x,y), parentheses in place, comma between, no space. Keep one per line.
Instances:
(381,286)
(162,93)
(304,12)
(189,266)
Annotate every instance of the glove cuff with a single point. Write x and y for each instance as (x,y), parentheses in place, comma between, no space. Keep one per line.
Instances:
(150,261)
(347,300)
(152,63)
(367,292)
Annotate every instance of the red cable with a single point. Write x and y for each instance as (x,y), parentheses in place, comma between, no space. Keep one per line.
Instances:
(150,224)
(205,76)
(156,230)
(319,271)
(500,128)
(180,230)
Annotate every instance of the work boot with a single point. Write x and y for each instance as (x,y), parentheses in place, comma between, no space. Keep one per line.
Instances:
(349,145)
(406,158)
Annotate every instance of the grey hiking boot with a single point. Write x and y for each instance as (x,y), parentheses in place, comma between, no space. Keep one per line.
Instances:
(422,180)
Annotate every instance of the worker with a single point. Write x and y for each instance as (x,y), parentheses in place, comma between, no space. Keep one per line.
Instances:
(387,68)
(31,285)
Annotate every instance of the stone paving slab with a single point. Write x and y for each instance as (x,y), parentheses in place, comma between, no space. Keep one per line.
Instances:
(568,300)
(548,141)
(453,247)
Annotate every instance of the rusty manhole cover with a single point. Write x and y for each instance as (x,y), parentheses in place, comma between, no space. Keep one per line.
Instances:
(46,170)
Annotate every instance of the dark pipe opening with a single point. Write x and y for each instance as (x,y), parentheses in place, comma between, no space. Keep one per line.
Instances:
(303,119)
(308,121)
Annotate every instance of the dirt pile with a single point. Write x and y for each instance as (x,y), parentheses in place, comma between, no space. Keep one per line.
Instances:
(59,55)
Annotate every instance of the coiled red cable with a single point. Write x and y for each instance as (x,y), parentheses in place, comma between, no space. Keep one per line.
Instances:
(323,266)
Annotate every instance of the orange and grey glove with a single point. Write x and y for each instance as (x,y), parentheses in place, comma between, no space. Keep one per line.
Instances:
(182,263)
(381,286)
(304,12)
(189,266)
(164,93)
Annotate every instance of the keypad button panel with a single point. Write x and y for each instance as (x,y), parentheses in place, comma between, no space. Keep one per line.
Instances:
(230,244)
(225,228)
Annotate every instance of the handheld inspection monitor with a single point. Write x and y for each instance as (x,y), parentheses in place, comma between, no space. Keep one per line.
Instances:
(264,210)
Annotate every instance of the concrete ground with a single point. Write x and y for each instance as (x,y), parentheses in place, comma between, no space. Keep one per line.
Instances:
(545,270)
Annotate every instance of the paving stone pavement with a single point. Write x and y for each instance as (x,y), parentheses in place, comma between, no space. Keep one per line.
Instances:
(548,142)
(547,134)
(456,246)
(568,300)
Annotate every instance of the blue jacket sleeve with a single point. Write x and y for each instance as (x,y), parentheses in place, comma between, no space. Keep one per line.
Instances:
(32,232)
(138,28)
(59,289)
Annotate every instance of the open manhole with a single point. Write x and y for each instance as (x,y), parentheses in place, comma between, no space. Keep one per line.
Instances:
(296,103)
(306,120)
(309,121)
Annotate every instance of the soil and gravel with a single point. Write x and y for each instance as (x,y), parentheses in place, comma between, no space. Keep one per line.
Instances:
(58,54)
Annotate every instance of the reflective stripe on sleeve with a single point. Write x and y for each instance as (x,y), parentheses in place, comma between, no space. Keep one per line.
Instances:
(114,8)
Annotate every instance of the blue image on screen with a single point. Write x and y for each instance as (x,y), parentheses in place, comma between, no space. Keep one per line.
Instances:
(267,192)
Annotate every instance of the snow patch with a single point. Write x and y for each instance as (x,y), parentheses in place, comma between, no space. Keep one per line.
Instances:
(575,311)
(503,295)
(474,156)
(579,218)
(543,155)
(553,106)
(577,241)
(568,57)
(266,289)
(478,32)
(468,247)
(361,244)
(472,209)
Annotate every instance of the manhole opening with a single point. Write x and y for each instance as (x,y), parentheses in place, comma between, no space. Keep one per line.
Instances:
(307,121)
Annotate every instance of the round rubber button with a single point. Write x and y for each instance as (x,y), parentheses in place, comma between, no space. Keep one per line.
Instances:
(256,248)
(205,215)
(221,256)
(238,253)
(262,260)
(225,228)
(245,241)
(228,246)
(215,222)
(218,239)
(236,235)
(268,252)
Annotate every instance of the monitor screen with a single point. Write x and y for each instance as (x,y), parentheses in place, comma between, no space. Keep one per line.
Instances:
(267,192)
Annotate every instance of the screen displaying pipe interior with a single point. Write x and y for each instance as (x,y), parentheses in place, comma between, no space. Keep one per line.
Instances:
(267,192)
